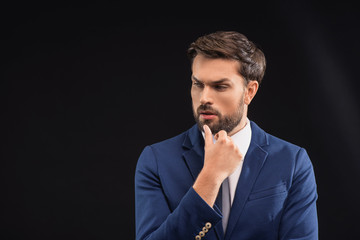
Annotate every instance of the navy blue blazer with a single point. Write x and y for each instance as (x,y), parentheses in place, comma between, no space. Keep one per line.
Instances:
(275,197)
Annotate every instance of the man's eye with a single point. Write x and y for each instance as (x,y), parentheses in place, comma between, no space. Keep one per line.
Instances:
(197,84)
(220,87)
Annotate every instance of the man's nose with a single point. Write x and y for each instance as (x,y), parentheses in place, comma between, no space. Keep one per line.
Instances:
(206,96)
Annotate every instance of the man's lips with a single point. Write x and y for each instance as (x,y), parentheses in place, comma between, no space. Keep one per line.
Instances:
(207,115)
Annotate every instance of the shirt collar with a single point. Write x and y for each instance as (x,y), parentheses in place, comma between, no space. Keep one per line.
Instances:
(243,137)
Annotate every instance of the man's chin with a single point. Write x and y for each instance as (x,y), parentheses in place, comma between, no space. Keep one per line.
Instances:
(210,123)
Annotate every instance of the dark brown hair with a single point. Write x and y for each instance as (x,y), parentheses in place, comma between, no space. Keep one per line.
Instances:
(231,45)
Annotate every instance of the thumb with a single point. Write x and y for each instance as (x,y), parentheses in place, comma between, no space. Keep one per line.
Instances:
(208,135)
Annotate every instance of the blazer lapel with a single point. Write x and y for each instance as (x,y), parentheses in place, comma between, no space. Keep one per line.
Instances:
(253,162)
(194,151)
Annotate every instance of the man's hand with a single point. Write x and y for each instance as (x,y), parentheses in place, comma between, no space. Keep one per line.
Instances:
(221,160)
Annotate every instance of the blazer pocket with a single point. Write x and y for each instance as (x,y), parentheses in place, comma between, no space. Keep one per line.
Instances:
(281,188)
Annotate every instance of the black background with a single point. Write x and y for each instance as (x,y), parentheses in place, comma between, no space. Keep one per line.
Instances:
(85,87)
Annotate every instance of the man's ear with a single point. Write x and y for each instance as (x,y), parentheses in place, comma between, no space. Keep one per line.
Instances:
(250,91)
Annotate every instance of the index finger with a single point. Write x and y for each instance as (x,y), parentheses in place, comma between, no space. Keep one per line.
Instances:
(208,135)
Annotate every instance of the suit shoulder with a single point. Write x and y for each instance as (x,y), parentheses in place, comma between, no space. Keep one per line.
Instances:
(283,150)
(159,150)
(267,140)
(280,147)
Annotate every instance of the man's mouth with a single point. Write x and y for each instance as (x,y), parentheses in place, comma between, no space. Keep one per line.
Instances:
(207,115)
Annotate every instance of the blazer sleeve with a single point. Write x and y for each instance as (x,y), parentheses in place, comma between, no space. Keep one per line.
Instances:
(299,219)
(153,218)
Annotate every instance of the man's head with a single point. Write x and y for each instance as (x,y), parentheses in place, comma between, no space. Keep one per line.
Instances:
(227,70)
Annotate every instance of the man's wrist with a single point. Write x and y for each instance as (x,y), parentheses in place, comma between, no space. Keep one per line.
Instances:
(207,186)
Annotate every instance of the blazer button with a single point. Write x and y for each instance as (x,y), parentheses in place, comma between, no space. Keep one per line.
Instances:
(198,237)
(208,225)
(205,230)
(201,234)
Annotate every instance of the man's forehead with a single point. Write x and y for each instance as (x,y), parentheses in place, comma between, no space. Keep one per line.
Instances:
(215,70)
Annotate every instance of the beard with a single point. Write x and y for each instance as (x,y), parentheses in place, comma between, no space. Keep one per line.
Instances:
(225,122)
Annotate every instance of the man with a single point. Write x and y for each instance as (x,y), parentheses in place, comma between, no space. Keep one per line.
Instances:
(225,178)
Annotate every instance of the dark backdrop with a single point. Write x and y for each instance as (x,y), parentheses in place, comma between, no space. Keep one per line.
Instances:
(85,87)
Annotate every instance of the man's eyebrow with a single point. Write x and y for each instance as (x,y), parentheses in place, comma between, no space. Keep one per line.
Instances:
(213,82)
(195,79)
(221,81)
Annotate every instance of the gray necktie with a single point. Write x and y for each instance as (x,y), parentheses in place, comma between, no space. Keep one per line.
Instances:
(226,204)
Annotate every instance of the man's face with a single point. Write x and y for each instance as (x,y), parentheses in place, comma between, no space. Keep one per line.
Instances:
(217,94)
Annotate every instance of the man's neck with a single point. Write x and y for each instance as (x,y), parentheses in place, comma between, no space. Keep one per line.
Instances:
(239,127)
